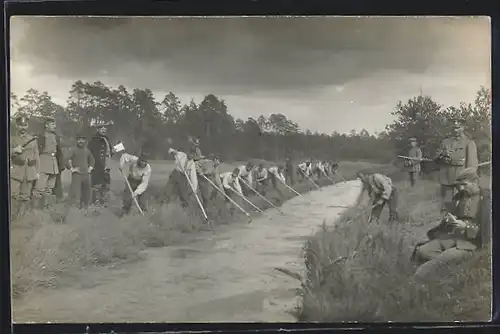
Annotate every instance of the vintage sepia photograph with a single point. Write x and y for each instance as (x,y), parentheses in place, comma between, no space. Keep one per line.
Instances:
(250,169)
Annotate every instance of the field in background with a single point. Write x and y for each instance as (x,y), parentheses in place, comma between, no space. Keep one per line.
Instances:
(360,271)
(48,251)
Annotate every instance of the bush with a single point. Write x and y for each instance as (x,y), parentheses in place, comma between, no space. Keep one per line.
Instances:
(360,271)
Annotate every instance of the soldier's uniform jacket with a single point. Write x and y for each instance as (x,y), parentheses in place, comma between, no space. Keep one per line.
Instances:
(414,165)
(102,151)
(26,164)
(49,148)
(454,155)
(466,207)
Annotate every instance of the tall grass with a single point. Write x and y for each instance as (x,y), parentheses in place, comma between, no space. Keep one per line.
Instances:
(51,248)
(360,271)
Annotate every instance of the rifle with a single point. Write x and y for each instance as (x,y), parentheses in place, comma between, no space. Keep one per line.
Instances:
(414,159)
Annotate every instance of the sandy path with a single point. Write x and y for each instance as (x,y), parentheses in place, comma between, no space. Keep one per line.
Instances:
(223,277)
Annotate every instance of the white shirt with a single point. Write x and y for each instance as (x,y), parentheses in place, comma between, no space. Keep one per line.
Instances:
(262,175)
(228,182)
(135,172)
(306,169)
(275,171)
(245,174)
(182,163)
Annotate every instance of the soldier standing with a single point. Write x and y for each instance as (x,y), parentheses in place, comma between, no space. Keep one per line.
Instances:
(51,164)
(455,154)
(101,149)
(413,165)
(25,161)
(455,238)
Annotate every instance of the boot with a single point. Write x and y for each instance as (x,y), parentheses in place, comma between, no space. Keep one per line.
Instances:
(393,217)
(36,203)
(23,207)
(49,201)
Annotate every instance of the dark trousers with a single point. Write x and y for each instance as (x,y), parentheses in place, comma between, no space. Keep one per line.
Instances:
(177,186)
(274,182)
(262,186)
(392,203)
(207,190)
(414,176)
(80,191)
(101,184)
(447,193)
(127,196)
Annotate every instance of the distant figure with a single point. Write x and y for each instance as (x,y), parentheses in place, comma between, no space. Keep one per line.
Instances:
(454,239)
(139,174)
(413,165)
(25,161)
(102,151)
(51,164)
(455,154)
(382,192)
(80,163)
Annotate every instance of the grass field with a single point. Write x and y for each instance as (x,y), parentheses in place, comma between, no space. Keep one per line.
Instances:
(48,251)
(360,271)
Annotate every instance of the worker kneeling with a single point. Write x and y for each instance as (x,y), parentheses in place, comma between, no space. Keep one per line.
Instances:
(455,238)
(139,172)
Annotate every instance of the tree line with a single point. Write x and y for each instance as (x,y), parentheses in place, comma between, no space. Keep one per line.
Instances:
(142,121)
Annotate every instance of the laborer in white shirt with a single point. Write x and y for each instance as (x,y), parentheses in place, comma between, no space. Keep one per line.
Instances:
(177,184)
(276,176)
(262,180)
(246,173)
(139,173)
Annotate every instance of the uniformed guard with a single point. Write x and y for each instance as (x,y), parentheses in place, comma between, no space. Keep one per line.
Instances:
(455,238)
(413,165)
(455,154)
(100,147)
(25,162)
(51,164)
(139,173)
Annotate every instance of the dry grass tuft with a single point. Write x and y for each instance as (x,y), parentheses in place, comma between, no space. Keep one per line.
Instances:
(360,271)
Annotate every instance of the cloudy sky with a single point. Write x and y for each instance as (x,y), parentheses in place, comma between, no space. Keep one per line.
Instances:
(327,74)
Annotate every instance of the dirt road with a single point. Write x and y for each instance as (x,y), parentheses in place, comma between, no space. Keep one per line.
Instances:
(226,276)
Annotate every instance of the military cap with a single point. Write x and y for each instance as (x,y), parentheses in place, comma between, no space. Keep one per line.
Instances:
(21,119)
(412,139)
(49,120)
(459,121)
(467,174)
(144,156)
(81,135)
